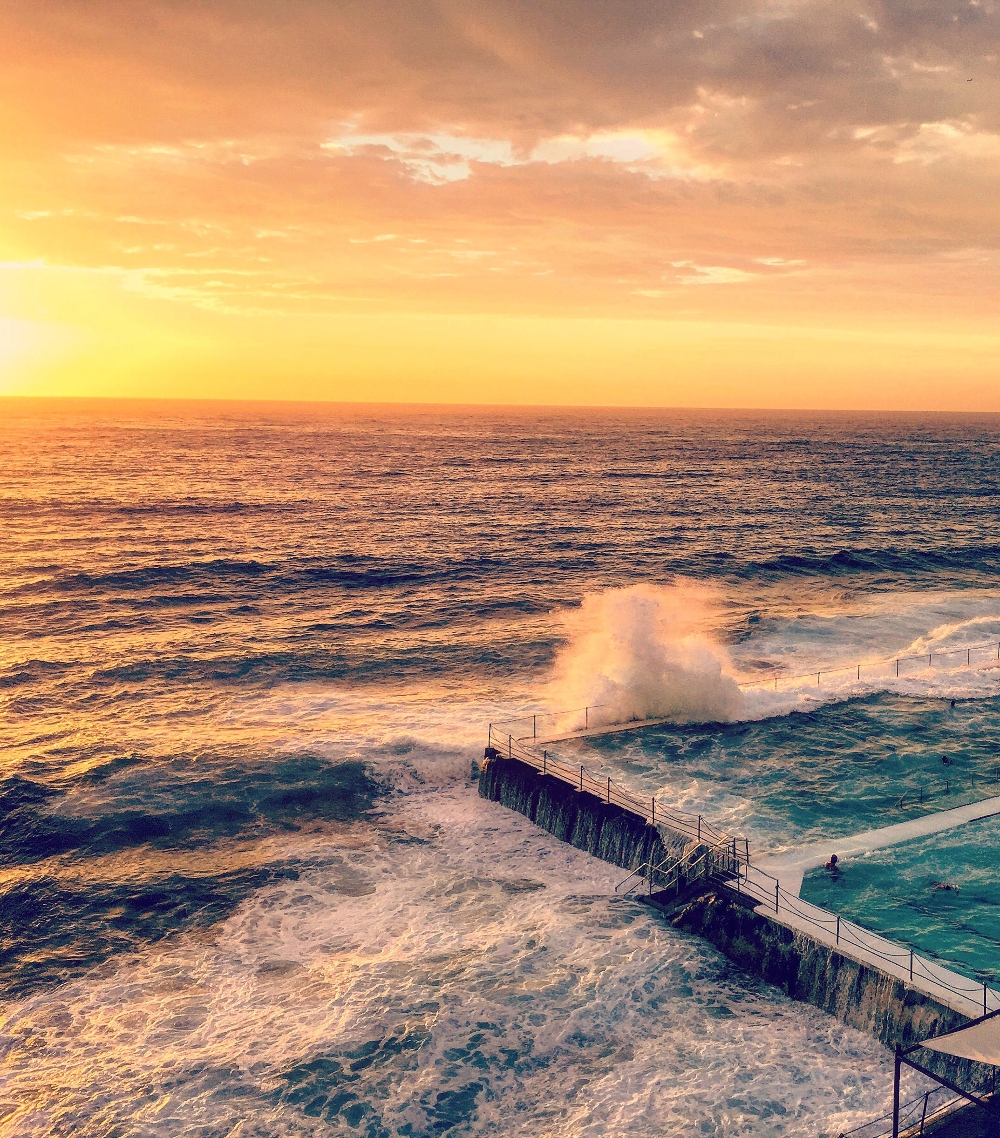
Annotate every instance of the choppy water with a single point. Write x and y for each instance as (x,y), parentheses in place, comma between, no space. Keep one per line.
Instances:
(248,655)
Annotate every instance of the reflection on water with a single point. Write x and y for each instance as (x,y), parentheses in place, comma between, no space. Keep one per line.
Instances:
(241,644)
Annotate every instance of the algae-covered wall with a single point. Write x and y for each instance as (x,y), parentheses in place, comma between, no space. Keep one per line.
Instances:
(600,828)
(857,994)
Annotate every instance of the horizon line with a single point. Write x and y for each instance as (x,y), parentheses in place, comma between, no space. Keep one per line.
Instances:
(429,405)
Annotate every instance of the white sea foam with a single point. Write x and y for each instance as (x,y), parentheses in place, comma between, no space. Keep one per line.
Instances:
(653,652)
(926,632)
(461,967)
(451,913)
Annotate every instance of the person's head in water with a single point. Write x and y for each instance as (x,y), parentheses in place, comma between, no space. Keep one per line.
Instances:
(832,865)
(952,703)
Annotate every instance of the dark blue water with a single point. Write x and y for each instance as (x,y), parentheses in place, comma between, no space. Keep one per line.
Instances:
(233,636)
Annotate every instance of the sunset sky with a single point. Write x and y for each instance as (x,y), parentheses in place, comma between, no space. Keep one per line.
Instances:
(745,203)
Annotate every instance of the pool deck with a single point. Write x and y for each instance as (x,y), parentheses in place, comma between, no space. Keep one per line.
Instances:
(791,865)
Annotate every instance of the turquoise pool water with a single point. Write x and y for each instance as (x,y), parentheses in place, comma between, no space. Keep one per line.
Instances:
(833,771)
(898,892)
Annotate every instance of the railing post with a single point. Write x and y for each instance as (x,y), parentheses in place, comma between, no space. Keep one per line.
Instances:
(586,719)
(837,939)
(895,1097)
(859,671)
(581,780)
(510,746)
(699,827)
(897,668)
(609,791)
(984,997)
(545,760)
(652,812)
(817,679)
(534,727)
(911,963)
(776,884)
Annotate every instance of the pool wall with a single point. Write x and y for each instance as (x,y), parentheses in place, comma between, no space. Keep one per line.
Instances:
(857,994)
(600,828)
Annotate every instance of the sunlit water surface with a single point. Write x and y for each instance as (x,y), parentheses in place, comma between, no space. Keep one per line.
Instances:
(248,657)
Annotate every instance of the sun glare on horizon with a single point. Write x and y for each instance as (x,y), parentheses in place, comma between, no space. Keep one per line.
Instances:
(503,203)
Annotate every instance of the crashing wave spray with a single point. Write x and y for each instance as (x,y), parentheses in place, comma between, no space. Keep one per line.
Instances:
(643,653)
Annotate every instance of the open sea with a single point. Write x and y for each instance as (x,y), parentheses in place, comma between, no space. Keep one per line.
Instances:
(249,654)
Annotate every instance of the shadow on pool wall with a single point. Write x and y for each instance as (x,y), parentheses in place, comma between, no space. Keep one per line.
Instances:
(859,995)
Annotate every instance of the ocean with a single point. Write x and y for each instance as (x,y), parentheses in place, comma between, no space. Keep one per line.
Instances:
(249,657)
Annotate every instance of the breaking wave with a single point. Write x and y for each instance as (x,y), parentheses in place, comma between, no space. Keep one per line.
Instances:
(643,653)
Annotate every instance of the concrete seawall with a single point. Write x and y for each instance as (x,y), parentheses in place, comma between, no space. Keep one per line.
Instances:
(599,828)
(857,994)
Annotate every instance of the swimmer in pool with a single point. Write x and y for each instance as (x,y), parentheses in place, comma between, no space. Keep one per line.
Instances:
(831,866)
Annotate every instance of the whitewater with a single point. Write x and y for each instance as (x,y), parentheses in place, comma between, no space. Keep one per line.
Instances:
(250,656)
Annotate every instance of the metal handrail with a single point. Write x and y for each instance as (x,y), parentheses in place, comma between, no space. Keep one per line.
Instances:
(951,785)
(886,662)
(578,776)
(775,678)
(907,1114)
(646,871)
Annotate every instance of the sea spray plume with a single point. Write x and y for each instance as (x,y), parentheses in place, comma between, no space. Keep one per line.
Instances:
(643,653)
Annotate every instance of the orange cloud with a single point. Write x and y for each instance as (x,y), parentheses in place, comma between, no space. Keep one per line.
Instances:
(225,188)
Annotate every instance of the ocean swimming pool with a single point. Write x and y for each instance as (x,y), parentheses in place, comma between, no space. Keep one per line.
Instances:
(939,895)
(833,771)
(838,770)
